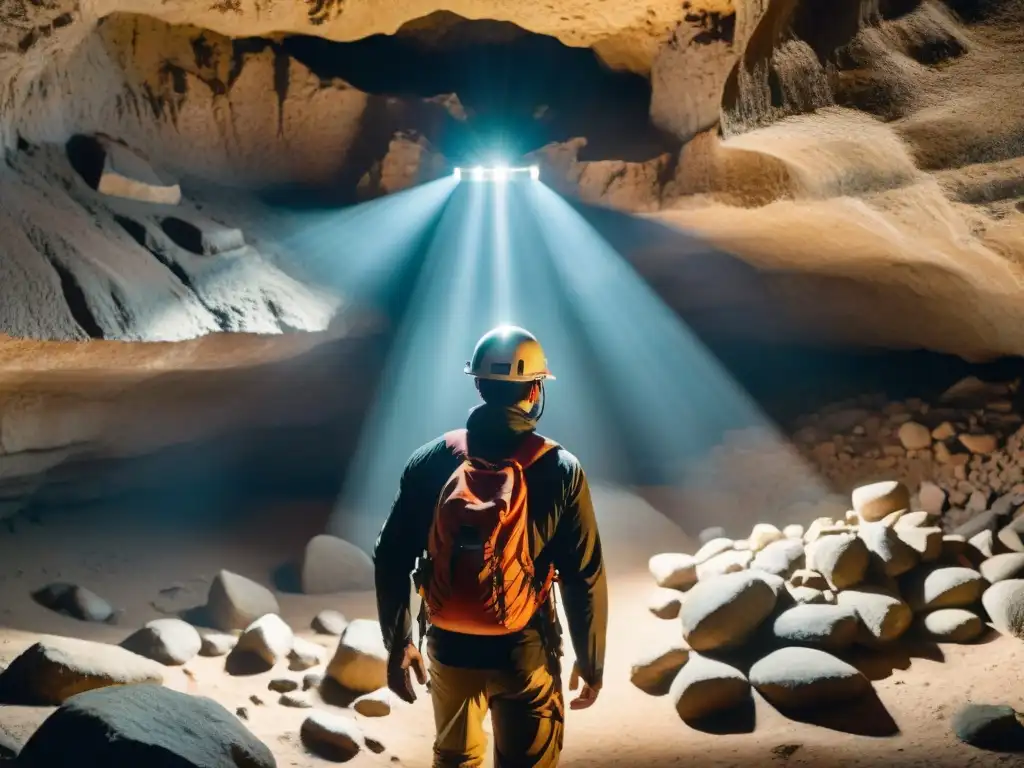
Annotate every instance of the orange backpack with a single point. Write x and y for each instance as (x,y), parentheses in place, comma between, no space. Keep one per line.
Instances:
(481,579)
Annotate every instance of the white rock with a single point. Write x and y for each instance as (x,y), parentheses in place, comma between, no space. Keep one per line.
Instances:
(360,662)
(952,625)
(842,559)
(169,641)
(914,436)
(724,611)
(334,565)
(931,498)
(653,673)
(727,562)
(1004,604)
(706,686)
(797,678)
(889,554)
(793,531)
(217,644)
(884,616)
(333,736)
(304,655)
(268,637)
(330,623)
(927,542)
(673,570)
(1002,567)
(713,548)
(832,627)
(762,535)
(781,557)
(235,602)
(665,603)
(951,587)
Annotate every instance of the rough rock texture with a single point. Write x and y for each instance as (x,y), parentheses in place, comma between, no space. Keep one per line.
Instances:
(331,736)
(842,559)
(144,725)
(331,565)
(934,588)
(1004,603)
(831,627)
(268,637)
(780,557)
(804,677)
(952,625)
(724,610)
(54,669)
(706,686)
(360,661)
(169,641)
(235,601)
(885,616)
(673,570)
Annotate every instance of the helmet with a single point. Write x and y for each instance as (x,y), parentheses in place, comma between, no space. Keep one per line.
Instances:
(509,353)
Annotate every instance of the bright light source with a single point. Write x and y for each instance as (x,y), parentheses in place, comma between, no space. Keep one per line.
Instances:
(478,173)
(458,174)
(501,173)
(534,172)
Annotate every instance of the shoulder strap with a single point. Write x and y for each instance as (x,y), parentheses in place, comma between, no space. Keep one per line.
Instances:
(533,447)
(457,442)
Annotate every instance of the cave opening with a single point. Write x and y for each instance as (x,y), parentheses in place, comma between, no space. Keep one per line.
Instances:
(519,90)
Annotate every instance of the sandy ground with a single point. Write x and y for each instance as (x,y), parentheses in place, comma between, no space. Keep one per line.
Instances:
(129,559)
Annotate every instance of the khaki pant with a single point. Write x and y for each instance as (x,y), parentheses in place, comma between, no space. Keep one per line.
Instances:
(526,705)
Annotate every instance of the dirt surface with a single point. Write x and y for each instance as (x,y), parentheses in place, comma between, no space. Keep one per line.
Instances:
(148,569)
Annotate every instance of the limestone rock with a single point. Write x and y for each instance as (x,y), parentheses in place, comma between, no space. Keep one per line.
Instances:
(979,444)
(74,601)
(914,436)
(330,623)
(793,531)
(374,704)
(798,678)
(360,661)
(1002,567)
(139,725)
(217,644)
(952,625)
(331,736)
(723,611)
(673,570)
(304,655)
(986,726)
(932,498)
(235,602)
(884,616)
(268,637)
(57,668)
(781,557)
(888,554)
(654,672)
(727,562)
(831,627)
(927,542)
(712,548)
(762,535)
(169,641)
(665,603)
(1004,604)
(949,587)
(333,565)
(706,686)
(875,501)
(842,559)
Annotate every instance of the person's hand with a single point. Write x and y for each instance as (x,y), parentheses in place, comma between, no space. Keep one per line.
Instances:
(587,696)
(402,662)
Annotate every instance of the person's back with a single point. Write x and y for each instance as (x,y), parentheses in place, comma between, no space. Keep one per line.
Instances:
(512,670)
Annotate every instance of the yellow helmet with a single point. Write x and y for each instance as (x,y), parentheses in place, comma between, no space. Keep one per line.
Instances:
(509,353)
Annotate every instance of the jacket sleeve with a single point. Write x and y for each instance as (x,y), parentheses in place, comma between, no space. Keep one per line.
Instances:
(394,558)
(582,577)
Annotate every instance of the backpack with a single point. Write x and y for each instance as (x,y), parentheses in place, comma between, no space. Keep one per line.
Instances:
(481,578)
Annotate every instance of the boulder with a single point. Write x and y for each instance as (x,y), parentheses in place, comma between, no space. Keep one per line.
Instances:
(914,436)
(986,726)
(842,559)
(762,535)
(931,498)
(360,661)
(1004,604)
(268,637)
(951,625)
(654,672)
(927,542)
(673,570)
(944,587)
(333,737)
(793,531)
(884,616)
(334,565)
(217,644)
(832,627)
(800,678)
(712,548)
(1003,567)
(329,623)
(112,168)
(56,668)
(304,655)
(665,603)
(169,641)
(706,686)
(873,502)
(235,602)
(724,611)
(727,562)
(374,704)
(143,725)
(888,554)
(74,601)
(781,557)
(808,578)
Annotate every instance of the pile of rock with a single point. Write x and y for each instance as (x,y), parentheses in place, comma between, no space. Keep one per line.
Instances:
(792,598)
(965,452)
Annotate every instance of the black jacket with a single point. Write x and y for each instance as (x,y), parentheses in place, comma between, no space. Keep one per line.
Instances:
(564,532)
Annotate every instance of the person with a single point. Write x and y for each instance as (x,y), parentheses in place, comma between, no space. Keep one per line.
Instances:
(484,659)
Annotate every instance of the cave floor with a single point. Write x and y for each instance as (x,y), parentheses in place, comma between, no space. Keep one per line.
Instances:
(152,568)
